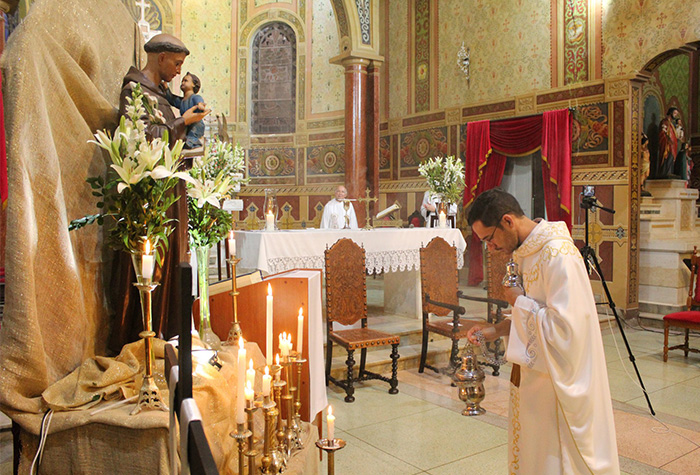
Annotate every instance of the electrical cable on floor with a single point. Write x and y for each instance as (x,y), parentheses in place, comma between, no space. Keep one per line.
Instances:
(43,434)
(657,430)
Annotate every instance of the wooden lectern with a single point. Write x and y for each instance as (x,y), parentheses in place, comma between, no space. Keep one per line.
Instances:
(290,290)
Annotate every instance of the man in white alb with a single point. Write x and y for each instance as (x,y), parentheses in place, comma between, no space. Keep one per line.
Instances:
(334,211)
(561,418)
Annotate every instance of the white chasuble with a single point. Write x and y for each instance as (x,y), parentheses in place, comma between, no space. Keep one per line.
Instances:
(561,418)
(334,215)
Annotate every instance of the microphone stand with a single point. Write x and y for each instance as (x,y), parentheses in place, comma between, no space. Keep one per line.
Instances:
(590,258)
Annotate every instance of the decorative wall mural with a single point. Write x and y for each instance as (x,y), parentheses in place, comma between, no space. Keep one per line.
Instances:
(384,153)
(674,79)
(422,55)
(265,162)
(636,31)
(398,59)
(327,80)
(325,160)
(364,15)
(590,128)
(420,145)
(576,41)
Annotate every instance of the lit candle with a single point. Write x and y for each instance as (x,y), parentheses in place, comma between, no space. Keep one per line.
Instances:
(250,374)
(442,220)
(249,394)
(330,421)
(240,399)
(267,380)
(284,350)
(300,331)
(268,327)
(231,245)
(147,264)
(269,221)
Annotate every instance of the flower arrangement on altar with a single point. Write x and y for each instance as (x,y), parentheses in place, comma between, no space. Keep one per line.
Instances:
(135,193)
(445,177)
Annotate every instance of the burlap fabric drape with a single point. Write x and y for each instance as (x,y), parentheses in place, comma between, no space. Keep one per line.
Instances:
(62,71)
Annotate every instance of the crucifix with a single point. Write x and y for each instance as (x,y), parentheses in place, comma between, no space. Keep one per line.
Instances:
(367,200)
(142,4)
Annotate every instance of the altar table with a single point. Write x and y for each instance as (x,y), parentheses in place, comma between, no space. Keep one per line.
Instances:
(394,251)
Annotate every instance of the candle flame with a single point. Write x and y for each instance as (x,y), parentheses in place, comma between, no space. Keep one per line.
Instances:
(240,342)
(269,290)
(230,234)
(267,371)
(330,410)
(248,385)
(301,312)
(250,363)
(147,247)
(277,359)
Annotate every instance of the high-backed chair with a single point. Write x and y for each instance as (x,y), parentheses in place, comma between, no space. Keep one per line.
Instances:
(346,304)
(688,319)
(439,286)
(495,271)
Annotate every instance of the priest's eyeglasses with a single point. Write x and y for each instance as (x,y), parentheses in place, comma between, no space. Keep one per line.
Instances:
(488,239)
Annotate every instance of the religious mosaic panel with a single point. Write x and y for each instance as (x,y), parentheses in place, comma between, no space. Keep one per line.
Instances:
(271,162)
(384,154)
(575,41)
(635,32)
(421,145)
(325,160)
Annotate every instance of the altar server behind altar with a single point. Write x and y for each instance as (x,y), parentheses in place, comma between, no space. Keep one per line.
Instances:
(429,206)
(561,418)
(334,211)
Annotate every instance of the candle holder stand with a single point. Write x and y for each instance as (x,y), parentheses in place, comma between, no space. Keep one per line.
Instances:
(299,364)
(241,435)
(288,398)
(251,453)
(149,394)
(269,411)
(330,447)
(235,333)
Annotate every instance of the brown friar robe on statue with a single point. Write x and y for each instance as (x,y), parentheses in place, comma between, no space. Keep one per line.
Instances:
(128,320)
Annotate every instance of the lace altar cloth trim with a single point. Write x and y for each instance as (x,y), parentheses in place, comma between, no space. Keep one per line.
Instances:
(375,262)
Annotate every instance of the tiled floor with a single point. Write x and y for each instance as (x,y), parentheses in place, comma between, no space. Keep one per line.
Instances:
(421,430)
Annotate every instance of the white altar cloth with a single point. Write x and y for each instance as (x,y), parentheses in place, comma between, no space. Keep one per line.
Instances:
(386,249)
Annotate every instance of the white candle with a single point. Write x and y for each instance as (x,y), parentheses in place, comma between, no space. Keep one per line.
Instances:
(250,374)
(267,380)
(268,327)
(249,394)
(147,263)
(269,221)
(300,331)
(442,220)
(330,422)
(284,350)
(240,399)
(231,245)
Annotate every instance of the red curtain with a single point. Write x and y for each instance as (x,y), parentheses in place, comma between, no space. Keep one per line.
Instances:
(486,147)
(556,164)
(477,148)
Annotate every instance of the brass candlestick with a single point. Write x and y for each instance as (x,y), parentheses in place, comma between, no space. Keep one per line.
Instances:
(330,447)
(367,200)
(269,410)
(149,394)
(288,398)
(251,453)
(298,363)
(235,333)
(241,435)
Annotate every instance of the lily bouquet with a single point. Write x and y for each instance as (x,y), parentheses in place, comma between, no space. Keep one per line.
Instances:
(135,193)
(445,177)
(213,177)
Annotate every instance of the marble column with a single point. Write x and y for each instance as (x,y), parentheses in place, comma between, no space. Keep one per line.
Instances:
(373,131)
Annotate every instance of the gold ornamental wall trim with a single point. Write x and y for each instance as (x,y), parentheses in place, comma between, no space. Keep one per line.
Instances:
(614,176)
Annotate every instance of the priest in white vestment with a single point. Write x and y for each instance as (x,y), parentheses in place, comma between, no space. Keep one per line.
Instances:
(561,418)
(334,211)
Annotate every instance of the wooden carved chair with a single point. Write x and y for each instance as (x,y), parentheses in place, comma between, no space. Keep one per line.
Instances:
(688,319)
(439,285)
(495,271)
(346,303)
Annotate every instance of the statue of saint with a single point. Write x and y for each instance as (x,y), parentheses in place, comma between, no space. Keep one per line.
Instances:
(166,54)
(671,147)
(644,164)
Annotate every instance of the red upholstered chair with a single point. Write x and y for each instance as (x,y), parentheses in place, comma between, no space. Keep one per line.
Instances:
(346,303)
(688,319)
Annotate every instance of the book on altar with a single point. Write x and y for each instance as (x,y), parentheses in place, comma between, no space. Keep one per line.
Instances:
(242,280)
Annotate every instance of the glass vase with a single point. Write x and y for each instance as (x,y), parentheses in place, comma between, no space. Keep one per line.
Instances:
(206,334)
